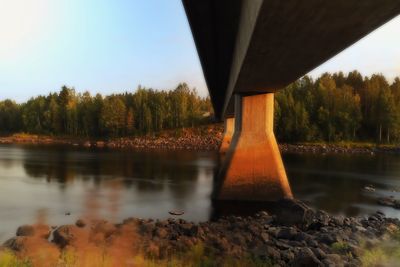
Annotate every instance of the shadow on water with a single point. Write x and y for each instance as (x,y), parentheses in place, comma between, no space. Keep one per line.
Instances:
(240,208)
(147,171)
(334,183)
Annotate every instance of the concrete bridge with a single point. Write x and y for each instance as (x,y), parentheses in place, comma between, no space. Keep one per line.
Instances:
(249,49)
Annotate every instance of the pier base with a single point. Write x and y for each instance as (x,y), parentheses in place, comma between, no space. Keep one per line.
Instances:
(253,169)
(229,126)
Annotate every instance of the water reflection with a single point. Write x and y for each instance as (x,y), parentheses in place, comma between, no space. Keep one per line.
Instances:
(120,184)
(143,173)
(98,183)
(146,171)
(335,182)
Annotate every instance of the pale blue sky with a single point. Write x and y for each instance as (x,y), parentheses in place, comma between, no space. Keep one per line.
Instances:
(111,46)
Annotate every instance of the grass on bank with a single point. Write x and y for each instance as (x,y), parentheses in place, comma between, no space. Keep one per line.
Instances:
(195,257)
(8,259)
(384,253)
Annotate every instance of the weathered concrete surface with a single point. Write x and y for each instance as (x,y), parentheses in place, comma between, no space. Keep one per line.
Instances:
(229,126)
(253,169)
(258,46)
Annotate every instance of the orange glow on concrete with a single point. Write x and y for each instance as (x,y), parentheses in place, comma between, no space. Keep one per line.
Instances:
(253,168)
(228,133)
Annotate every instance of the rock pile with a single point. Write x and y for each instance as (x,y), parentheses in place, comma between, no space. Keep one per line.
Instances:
(296,236)
(337,149)
(206,137)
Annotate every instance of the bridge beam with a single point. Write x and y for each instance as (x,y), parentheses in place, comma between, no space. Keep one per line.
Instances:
(253,169)
(229,125)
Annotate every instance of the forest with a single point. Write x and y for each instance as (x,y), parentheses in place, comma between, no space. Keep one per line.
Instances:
(69,113)
(338,107)
(333,107)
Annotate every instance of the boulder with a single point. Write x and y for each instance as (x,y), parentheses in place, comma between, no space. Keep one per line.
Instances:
(287,255)
(264,237)
(147,228)
(103,227)
(239,239)
(188,229)
(287,233)
(16,243)
(327,238)
(26,230)
(273,253)
(40,230)
(69,234)
(80,223)
(335,258)
(293,212)
(306,258)
(319,253)
(161,233)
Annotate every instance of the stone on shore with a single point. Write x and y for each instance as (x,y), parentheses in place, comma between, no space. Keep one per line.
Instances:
(68,235)
(306,258)
(16,243)
(299,237)
(80,223)
(39,230)
(294,212)
(26,230)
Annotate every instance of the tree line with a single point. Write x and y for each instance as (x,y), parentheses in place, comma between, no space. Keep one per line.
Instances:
(338,107)
(332,107)
(75,114)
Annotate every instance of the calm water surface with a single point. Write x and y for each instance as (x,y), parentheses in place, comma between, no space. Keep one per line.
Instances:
(53,181)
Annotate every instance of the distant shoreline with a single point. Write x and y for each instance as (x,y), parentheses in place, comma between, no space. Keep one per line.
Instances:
(204,138)
(339,148)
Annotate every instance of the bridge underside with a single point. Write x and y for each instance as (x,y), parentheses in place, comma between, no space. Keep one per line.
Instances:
(259,46)
(251,48)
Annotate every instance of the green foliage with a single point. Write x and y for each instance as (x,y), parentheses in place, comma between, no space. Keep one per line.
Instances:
(113,116)
(339,108)
(333,108)
(10,116)
(73,114)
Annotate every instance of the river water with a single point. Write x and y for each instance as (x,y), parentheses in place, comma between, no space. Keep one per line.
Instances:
(62,184)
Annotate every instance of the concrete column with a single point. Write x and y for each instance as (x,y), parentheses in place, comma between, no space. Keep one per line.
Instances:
(229,126)
(253,169)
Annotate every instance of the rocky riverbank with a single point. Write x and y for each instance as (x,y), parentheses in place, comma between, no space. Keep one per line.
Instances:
(339,148)
(207,137)
(295,235)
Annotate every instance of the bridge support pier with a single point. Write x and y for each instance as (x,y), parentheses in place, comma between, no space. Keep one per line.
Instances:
(229,126)
(253,169)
